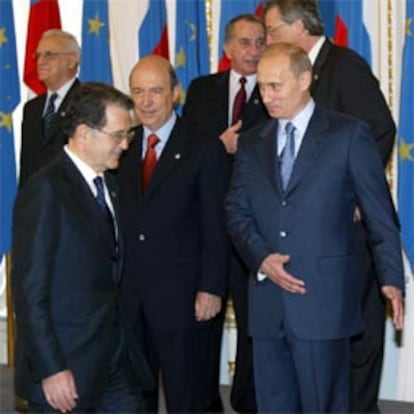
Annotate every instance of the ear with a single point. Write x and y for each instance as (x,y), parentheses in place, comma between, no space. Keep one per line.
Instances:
(227,49)
(176,93)
(305,80)
(83,131)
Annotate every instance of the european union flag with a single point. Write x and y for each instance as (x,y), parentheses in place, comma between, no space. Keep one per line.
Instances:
(191,52)
(406,140)
(95,62)
(153,33)
(9,98)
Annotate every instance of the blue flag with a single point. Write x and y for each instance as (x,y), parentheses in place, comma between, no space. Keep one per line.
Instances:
(406,140)
(191,53)
(9,98)
(95,62)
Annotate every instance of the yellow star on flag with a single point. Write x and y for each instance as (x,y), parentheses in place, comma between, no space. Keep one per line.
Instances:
(180,58)
(95,25)
(404,150)
(3,38)
(6,121)
(408,23)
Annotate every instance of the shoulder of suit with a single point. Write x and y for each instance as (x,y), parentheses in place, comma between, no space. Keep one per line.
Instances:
(35,101)
(345,55)
(208,79)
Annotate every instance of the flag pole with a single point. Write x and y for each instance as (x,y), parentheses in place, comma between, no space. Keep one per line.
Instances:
(11,327)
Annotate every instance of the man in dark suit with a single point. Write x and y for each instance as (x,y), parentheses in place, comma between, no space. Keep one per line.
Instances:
(72,352)
(297,181)
(57,57)
(209,113)
(172,198)
(342,81)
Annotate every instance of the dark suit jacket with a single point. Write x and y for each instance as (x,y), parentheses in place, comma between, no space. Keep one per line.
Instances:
(207,102)
(337,168)
(37,149)
(64,283)
(175,242)
(343,82)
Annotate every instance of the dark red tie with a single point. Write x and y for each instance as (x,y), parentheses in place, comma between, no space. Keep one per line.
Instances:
(239,101)
(149,162)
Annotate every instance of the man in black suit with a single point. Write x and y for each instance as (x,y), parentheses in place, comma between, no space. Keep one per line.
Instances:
(343,81)
(57,57)
(72,350)
(209,113)
(172,197)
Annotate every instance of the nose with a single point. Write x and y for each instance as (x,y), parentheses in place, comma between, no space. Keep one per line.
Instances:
(270,40)
(146,99)
(124,144)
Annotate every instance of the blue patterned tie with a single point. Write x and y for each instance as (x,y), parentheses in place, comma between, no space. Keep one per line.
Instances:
(50,111)
(288,155)
(100,198)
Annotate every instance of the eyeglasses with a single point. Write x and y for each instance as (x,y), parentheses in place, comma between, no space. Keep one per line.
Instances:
(50,55)
(273,31)
(119,136)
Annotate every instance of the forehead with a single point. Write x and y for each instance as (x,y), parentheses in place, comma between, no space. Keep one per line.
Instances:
(51,42)
(273,67)
(273,16)
(116,115)
(246,29)
(151,74)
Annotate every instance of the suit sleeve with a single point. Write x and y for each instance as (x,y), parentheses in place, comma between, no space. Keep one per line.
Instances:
(361,96)
(35,235)
(240,218)
(379,215)
(215,252)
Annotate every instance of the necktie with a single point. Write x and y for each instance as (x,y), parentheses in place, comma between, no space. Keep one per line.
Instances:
(50,111)
(288,155)
(100,198)
(149,162)
(239,101)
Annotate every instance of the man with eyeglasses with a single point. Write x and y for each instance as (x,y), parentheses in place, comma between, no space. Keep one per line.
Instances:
(172,211)
(57,57)
(73,350)
(342,81)
(212,111)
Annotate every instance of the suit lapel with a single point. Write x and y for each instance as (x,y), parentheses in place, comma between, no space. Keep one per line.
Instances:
(222,88)
(253,110)
(56,125)
(266,153)
(312,144)
(319,64)
(79,193)
(170,158)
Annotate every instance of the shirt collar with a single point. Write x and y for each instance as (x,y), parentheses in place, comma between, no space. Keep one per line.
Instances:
(165,131)
(313,53)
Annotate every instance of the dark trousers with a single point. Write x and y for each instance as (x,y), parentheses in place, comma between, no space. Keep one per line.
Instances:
(242,397)
(179,359)
(119,397)
(213,398)
(367,348)
(297,375)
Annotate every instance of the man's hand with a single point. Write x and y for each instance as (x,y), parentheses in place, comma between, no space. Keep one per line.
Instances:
(60,391)
(230,137)
(272,267)
(207,306)
(394,295)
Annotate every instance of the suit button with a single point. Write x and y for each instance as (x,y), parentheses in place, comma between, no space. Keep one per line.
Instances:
(284,203)
(141,237)
(283,234)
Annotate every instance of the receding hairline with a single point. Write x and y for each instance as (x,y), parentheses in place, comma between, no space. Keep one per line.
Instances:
(69,40)
(161,62)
